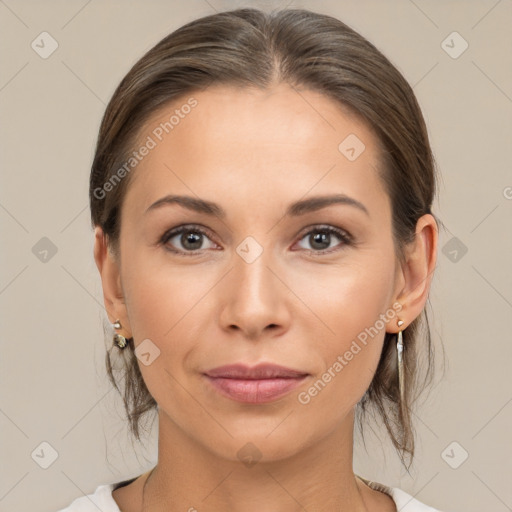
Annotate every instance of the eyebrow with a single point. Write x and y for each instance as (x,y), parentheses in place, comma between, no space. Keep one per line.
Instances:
(295,209)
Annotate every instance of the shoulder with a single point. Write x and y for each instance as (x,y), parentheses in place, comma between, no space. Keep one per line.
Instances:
(404,502)
(100,499)
(407,503)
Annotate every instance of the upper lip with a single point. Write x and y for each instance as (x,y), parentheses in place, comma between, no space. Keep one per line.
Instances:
(260,371)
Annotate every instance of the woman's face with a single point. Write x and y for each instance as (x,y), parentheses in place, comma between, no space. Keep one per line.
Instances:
(263,283)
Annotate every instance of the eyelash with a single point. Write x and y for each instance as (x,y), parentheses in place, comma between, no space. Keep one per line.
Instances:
(343,235)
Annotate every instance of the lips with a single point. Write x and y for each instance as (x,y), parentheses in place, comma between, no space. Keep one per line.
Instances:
(259,384)
(261,371)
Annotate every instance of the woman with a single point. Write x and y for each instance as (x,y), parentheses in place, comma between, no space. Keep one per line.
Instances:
(261,196)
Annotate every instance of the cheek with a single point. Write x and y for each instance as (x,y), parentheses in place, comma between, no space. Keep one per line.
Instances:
(351,313)
(160,296)
(349,297)
(164,308)
(168,306)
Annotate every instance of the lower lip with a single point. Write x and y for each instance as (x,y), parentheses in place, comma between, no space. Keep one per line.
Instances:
(255,391)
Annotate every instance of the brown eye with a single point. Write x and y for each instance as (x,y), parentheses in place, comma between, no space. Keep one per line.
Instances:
(321,239)
(185,239)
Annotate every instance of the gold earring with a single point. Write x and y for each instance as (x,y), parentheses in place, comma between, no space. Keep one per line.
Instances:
(119,339)
(400,351)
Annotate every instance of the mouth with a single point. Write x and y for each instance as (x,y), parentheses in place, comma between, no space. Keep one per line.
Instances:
(260,384)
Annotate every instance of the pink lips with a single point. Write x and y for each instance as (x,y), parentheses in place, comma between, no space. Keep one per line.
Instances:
(259,384)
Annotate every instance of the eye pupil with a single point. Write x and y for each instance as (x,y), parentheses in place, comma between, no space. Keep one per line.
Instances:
(192,238)
(321,238)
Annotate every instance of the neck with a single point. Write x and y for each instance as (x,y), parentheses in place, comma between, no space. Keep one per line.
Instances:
(190,476)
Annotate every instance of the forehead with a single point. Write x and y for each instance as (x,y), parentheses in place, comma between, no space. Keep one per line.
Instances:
(249,146)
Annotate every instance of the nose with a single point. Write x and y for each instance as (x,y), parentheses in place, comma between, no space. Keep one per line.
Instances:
(255,299)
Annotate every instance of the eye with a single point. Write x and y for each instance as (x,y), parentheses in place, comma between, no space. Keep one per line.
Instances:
(321,237)
(191,239)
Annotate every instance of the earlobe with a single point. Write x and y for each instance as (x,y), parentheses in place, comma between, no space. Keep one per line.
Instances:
(108,268)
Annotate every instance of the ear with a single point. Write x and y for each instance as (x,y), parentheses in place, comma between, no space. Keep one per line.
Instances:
(417,271)
(113,296)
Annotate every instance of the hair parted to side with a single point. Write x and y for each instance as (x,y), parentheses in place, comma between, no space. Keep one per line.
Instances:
(251,48)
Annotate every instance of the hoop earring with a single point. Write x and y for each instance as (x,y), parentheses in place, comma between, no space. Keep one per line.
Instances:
(119,339)
(400,353)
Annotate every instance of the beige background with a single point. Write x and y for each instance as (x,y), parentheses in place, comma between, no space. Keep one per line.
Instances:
(53,382)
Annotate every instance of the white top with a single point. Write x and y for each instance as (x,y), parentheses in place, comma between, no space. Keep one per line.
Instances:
(102,499)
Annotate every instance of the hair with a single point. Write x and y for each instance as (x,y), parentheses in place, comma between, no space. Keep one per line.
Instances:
(251,48)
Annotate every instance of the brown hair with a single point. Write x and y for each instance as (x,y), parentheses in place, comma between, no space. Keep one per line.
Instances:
(251,48)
